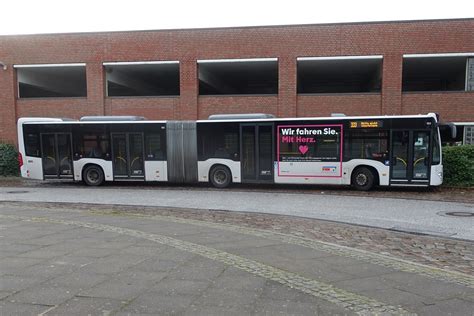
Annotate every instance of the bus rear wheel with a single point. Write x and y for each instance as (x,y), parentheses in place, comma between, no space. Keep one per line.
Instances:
(220,177)
(363,179)
(93,175)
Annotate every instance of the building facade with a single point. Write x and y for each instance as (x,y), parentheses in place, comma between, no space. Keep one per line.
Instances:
(381,68)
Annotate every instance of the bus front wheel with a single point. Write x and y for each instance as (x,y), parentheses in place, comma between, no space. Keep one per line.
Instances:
(93,175)
(220,176)
(363,179)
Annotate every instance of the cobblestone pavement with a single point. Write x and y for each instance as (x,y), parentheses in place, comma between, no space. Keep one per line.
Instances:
(63,259)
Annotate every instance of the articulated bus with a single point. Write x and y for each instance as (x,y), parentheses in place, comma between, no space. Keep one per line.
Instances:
(249,148)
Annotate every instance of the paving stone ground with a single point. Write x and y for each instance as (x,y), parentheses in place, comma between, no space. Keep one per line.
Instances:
(70,259)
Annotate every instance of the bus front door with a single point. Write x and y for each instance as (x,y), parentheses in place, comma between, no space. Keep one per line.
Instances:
(56,154)
(256,152)
(410,157)
(127,151)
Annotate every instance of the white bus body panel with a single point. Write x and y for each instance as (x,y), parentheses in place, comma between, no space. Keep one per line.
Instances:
(156,171)
(308,172)
(383,170)
(32,168)
(313,173)
(104,164)
(436,177)
(205,166)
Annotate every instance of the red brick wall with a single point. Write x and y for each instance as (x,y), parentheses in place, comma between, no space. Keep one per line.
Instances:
(189,88)
(7,106)
(391,40)
(349,104)
(287,87)
(151,108)
(209,105)
(452,106)
(392,84)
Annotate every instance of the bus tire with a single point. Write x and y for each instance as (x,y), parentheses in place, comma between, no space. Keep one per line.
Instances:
(93,175)
(363,179)
(220,176)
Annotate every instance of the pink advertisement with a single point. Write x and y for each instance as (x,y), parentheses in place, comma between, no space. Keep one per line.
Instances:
(309,150)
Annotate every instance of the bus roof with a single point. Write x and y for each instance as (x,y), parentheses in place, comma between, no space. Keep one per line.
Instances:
(45,120)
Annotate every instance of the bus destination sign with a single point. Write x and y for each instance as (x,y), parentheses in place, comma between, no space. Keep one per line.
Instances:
(366,124)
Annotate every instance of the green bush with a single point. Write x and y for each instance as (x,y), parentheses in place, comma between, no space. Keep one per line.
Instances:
(458,163)
(8,160)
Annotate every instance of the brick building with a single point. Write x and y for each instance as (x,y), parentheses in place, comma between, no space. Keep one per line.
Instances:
(377,68)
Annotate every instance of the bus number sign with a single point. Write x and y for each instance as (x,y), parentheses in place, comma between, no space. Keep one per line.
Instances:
(366,124)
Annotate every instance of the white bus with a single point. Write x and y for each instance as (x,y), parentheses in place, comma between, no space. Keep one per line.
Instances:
(249,148)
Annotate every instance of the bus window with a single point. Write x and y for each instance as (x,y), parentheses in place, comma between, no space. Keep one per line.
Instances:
(92,142)
(366,145)
(154,147)
(31,140)
(421,146)
(95,146)
(32,145)
(218,141)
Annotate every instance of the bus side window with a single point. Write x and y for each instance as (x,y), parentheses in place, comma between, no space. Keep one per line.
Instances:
(153,147)
(32,145)
(91,141)
(218,141)
(367,145)
(227,146)
(95,146)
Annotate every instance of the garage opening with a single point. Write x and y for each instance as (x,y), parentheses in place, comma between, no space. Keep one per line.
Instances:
(51,81)
(238,76)
(434,73)
(339,74)
(142,79)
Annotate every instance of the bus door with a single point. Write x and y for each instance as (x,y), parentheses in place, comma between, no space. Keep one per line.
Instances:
(256,152)
(127,156)
(410,157)
(56,155)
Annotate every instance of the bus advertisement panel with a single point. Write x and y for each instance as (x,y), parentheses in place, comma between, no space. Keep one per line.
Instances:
(309,150)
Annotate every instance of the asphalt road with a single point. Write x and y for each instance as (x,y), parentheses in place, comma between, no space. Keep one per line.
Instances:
(424,217)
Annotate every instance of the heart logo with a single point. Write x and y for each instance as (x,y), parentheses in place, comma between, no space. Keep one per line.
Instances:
(303,149)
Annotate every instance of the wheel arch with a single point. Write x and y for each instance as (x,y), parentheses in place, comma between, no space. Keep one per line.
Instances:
(220,176)
(372,169)
(89,164)
(215,165)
